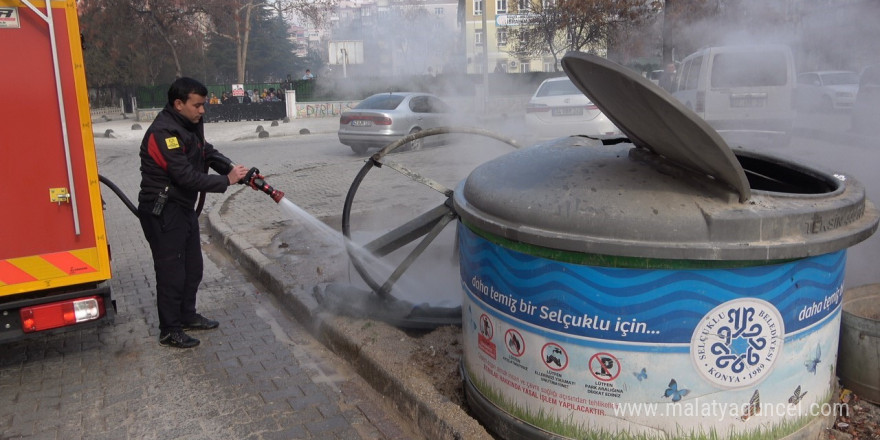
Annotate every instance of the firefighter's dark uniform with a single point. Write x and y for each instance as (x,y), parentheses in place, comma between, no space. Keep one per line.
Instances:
(174,155)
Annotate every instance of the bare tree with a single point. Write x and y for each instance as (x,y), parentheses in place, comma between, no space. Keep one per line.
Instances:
(233,20)
(558,26)
(171,20)
(314,12)
(123,47)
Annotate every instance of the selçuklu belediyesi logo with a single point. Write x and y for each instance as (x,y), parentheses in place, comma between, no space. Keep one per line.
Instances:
(737,343)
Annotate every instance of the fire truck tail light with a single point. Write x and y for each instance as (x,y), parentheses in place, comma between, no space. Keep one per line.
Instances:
(62,313)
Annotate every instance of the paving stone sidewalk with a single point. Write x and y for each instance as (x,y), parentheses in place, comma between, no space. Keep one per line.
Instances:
(259,376)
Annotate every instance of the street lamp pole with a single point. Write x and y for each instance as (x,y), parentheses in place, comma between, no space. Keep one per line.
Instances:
(485,59)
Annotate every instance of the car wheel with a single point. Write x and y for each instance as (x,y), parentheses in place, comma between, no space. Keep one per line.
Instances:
(417,144)
(359,149)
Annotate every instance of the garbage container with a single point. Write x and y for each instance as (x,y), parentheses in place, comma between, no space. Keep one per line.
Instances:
(663,288)
(859,362)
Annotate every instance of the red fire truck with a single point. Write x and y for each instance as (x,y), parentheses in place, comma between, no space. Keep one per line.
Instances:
(54,255)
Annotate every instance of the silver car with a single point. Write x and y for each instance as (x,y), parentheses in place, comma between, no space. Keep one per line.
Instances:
(558,108)
(386,117)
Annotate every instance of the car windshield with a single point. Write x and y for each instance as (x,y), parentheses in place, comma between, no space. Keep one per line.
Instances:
(558,88)
(749,69)
(380,102)
(836,79)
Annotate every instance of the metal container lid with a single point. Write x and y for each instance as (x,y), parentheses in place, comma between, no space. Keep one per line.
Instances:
(654,120)
(676,192)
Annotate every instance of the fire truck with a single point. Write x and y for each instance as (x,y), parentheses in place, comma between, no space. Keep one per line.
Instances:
(54,254)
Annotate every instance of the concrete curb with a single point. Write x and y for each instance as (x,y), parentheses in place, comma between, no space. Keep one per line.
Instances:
(413,395)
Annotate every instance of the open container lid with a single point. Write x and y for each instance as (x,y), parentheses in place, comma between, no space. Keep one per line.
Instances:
(654,120)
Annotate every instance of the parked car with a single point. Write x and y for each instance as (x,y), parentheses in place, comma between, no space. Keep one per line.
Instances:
(866,109)
(386,117)
(745,92)
(558,108)
(827,90)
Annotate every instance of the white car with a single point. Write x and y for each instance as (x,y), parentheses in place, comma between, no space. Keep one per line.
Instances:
(745,92)
(558,108)
(827,90)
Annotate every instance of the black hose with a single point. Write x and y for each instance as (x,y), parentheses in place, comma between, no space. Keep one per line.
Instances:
(120,194)
(375,161)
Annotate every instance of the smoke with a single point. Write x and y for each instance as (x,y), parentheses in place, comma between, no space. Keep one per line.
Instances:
(823,34)
(402,40)
(387,199)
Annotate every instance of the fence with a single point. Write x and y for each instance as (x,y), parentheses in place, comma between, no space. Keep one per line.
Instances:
(108,112)
(261,111)
(157,96)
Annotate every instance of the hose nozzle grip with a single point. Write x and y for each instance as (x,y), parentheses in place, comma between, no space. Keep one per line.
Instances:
(255,180)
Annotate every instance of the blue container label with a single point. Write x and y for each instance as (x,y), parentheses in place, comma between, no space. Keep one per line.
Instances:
(583,350)
(637,305)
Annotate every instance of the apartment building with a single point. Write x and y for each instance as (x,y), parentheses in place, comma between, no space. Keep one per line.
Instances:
(399,36)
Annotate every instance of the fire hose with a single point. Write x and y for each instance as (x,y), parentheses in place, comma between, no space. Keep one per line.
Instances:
(379,302)
(253,179)
(426,225)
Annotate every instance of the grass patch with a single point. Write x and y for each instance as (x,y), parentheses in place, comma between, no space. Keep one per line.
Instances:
(582,430)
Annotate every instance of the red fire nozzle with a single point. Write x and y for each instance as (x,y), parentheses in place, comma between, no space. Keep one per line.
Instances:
(256,181)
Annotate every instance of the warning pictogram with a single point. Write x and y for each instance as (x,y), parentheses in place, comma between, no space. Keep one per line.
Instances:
(487,329)
(516,345)
(484,337)
(554,356)
(604,366)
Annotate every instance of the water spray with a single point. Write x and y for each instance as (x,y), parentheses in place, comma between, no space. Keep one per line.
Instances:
(381,301)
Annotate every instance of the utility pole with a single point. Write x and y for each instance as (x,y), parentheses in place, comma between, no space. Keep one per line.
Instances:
(485,59)
(667,32)
(344,62)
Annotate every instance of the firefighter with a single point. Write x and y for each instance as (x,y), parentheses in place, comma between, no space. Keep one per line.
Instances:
(174,170)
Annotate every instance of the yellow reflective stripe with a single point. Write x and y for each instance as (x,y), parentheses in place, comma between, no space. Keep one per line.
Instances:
(37,267)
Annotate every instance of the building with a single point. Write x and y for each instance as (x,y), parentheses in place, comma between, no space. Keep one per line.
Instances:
(489,49)
(503,18)
(398,37)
